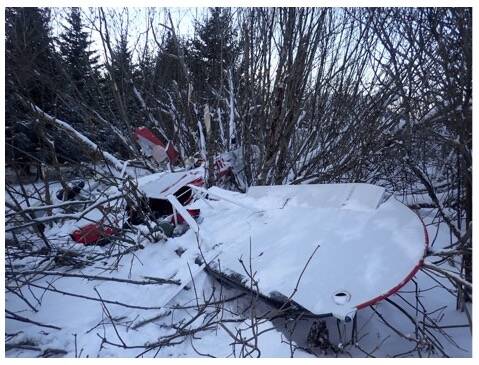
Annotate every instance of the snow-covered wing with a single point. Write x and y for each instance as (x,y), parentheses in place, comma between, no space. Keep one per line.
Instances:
(365,251)
(353,196)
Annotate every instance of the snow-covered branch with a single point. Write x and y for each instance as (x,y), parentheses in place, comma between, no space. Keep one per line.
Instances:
(115,162)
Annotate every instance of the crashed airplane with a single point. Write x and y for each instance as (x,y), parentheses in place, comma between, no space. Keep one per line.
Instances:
(326,249)
(320,249)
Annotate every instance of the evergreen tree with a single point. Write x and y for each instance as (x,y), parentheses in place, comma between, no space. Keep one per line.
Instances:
(122,67)
(167,68)
(31,71)
(81,63)
(213,53)
(145,73)
(31,60)
(119,88)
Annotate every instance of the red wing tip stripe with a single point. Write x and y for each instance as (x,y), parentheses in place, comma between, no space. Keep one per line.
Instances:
(406,279)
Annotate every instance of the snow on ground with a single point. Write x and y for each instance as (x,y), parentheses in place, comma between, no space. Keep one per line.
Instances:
(139,318)
(88,321)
